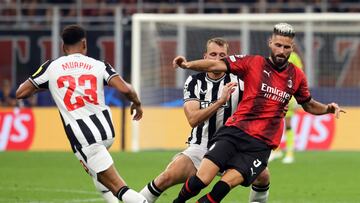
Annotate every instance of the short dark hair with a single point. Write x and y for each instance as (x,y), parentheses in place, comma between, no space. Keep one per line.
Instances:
(284,29)
(73,34)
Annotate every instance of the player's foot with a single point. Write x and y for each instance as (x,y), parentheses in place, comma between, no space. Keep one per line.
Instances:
(288,160)
(276,154)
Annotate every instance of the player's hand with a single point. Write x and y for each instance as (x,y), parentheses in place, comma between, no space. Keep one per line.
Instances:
(180,61)
(335,109)
(228,89)
(138,111)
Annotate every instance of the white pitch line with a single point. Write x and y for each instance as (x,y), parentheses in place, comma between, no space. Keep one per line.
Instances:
(51,190)
(53,201)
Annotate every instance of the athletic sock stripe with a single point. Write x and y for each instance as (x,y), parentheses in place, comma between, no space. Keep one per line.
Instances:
(99,126)
(153,190)
(258,188)
(86,131)
(187,186)
(155,187)
(122,192)
(108,119)
(210,198)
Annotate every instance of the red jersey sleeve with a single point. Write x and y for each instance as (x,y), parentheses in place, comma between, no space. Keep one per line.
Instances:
(237,64)
(302,94)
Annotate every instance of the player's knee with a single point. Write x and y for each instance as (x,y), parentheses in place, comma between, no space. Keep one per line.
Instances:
(233,178)
(263,179)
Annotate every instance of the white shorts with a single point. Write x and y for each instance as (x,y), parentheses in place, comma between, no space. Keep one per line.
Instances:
(195,153)
(95,158)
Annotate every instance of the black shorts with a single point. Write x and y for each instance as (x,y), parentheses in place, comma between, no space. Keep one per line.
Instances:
(232,148)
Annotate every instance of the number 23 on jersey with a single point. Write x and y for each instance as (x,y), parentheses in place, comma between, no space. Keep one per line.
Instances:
(76,86)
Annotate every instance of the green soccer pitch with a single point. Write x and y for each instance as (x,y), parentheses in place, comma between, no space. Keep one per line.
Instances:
(57,177)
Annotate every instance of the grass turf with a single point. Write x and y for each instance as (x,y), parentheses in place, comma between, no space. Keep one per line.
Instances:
(54,177)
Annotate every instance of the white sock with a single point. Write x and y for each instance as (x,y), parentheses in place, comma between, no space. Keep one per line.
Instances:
(259,194)
(109,197)
(150,192)
(130,196)
(106,193)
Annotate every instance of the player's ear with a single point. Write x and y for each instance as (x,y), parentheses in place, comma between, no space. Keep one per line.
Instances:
(84,44)
(205,56)
(269,42)
(64,48)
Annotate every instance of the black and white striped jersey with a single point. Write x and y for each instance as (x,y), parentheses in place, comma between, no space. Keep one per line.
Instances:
(206,90)
(76,83)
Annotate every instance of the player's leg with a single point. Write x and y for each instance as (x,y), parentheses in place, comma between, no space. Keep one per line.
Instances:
(290,141)
(229,180)
(105,192)
(111,179)
(176,172)
(259,191)
(194,184)
(243,168)
(214,160)
(98,162)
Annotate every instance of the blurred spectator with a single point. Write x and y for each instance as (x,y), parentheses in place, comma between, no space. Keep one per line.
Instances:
(8,99)
(7,95)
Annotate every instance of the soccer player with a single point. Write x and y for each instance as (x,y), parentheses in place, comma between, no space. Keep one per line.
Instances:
(76,82)
(289,132)
(209,99)
(243,145)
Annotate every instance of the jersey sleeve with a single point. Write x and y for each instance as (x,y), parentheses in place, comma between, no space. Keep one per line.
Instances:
(302,94)
(237,64)
(190,89)
(109,73)
(40,78)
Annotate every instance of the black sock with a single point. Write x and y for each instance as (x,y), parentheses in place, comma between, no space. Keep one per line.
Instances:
(154,189)
(219,191)
(191,188)
(121,192)
(259,188)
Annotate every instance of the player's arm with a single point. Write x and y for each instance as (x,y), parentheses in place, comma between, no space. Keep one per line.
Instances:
(195,115)
(125,88)
(205,65)
(25,90)
(317,108)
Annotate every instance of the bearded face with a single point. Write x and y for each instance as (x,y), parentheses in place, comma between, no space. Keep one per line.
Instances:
(281,48)
(279,59)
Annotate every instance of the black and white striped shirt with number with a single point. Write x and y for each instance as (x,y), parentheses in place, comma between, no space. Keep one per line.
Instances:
(206,90)
(76,83)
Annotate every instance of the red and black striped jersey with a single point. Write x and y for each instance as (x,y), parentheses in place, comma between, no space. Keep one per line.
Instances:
(267,91)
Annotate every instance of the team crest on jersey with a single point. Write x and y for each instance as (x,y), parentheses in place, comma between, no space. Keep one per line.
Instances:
(203,91)
(233,57)
(290,84)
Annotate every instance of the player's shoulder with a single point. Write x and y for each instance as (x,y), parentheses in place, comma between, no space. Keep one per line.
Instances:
(197,76)
(236,57)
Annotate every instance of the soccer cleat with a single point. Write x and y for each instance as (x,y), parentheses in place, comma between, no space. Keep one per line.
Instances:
(288,160)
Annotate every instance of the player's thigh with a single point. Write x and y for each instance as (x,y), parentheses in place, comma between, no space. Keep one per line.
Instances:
(180,168)
(94,158)
(249,164)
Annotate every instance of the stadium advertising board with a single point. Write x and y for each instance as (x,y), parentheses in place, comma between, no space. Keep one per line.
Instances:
(40,129)
(16,129)
(312,132)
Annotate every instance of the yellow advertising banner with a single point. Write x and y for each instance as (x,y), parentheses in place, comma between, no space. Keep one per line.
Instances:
(40,129)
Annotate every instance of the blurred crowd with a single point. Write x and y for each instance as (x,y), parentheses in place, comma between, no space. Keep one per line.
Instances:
(8,99)
(72,8)
(37,13)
